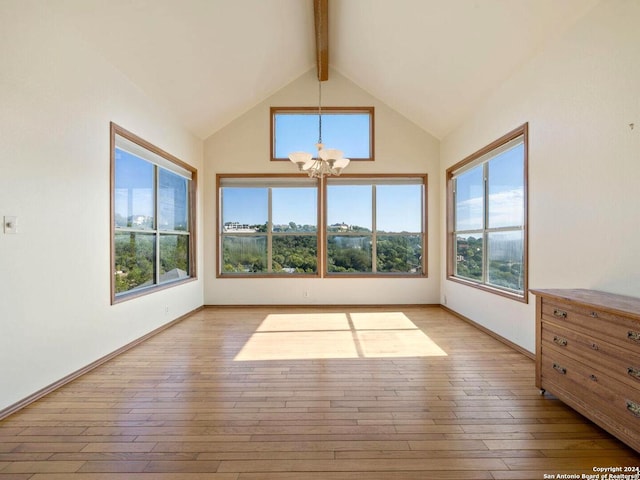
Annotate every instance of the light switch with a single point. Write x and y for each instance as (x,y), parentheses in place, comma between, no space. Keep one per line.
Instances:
(10,224)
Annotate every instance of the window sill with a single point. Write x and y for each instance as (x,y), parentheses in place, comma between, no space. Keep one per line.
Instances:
(522,298)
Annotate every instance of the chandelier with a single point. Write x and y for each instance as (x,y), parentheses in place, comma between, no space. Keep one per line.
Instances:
(328,161)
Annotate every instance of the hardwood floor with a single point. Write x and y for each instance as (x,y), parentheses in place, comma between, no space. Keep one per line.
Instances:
(307,394)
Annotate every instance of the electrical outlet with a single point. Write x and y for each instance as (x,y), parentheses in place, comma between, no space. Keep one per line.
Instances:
(10,224)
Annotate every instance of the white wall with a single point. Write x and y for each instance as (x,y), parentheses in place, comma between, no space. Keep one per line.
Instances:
(243,147)
(579,97)
(57,99)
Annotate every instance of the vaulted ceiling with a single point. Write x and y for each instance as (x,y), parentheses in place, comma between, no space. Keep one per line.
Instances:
(209,61)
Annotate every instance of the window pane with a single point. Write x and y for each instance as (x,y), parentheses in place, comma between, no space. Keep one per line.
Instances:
(399,253)
(469,213)
(134,197)
(349,132)
(505,255)
(349,208)
(244,254)
(506,188)
(469,256)
(172,201)
(135,255)
(349,254)
(174,257)
(399,208)
(244,209)
(294,209)
(295,254)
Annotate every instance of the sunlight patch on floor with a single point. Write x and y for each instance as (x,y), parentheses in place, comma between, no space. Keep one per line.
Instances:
(338,335)
(302,322)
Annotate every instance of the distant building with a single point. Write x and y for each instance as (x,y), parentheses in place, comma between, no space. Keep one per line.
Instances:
(138,220)
(237,227)
(341,227)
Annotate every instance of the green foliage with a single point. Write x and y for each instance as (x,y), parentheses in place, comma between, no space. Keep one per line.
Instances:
(295,254)
(349,254)
(394,254)
(399,254)
(298,253)
(135,258)
(135,255)
(505,274)
(502,273)
(244,254)
(469,263)
(174,253)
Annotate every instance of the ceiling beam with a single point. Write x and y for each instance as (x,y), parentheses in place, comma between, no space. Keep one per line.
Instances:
(321,20)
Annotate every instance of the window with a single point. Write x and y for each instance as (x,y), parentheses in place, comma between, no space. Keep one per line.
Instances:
(268,225)
(295,129)
(487,217)
(152,217)
(375,225)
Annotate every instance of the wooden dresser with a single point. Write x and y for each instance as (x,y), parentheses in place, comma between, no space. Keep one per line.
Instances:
(588,356)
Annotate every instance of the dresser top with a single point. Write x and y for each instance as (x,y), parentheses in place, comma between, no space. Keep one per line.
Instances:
(604,301)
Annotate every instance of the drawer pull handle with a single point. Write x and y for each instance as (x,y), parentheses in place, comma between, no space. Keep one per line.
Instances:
(560,341)
(635,336)
(595,346)
(559,313)
(594,314)
(634,372)
(559,369)
(593,378)
(633,407)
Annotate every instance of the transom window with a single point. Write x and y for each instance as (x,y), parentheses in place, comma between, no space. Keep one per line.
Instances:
(152,205)
(295,129)
(277,225)
(487,217)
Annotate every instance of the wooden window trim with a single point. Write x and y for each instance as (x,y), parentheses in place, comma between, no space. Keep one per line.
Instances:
(425,237)
(192,199)
(278,110)
(522,130)
(219,273)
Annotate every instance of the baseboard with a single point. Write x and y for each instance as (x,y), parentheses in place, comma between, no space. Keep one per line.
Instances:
(318,305)
(491,333)
(11,409)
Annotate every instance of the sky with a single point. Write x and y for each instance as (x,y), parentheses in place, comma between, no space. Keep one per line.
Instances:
(399,207)
(134,180)
(299,133)
(506,193)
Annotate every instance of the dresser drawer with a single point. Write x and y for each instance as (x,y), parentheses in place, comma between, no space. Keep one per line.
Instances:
(609,359)
(615,329)
(598,395)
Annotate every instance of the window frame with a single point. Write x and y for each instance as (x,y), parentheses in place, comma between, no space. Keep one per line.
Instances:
(322,227)
(269,234)
(374,234)
(325,111)
(167,161)
(483,157)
